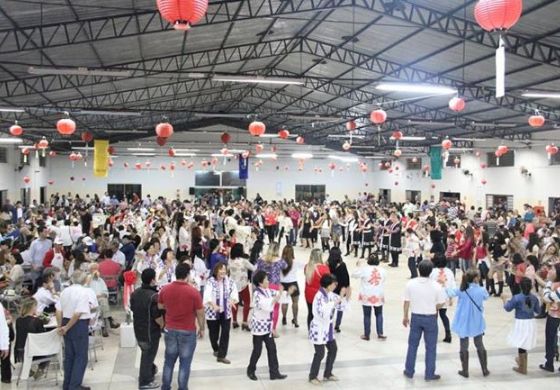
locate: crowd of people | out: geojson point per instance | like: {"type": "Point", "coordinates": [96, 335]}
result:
{"type": "Point", "coordinates": [197, 267]}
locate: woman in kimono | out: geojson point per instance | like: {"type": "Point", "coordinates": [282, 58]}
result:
{"type": "Point", "coordinates": [321, 330]}
{"type": "Point", "coordinates": [367, 235]}
{"type": "Point", "coordinates": [220, 295]}
{"type": "Point", "coordinates": [395, 238]}
{"type": "Point", "coordinates": [264, 300]}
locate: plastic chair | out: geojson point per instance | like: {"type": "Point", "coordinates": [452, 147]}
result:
{"type": "Point", "coordinates": [113, 291]}
{"type": "Point", "coordinates": [95, 341]}
{"type": "Point", "coordinates": [48, 345]}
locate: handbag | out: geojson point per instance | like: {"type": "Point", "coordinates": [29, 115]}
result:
{"type": "Point", "coordinates": [472, 300]}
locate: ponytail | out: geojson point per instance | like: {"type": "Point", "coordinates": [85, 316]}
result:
{"type": "Point", "coordinates": [526, 286]}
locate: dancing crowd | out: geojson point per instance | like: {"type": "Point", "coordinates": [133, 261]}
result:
{"type": "Point", "coordinates": [197, 267]}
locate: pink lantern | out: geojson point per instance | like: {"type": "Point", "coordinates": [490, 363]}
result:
{"type": "Point", "coordinates": [225, 138]}
{"type": "Point", "coordinates": [138, 166]}
{"type": "Point", "coordinates": [397, 153]}
{"type": "Point", "coordinates": [484, 181]}
{"type": "Point", "coordinates": [283, 134]}
{"type": "Point", "coordinates": [182, 14]}
{"type": "Point", "coordinates": [87, 136]}
{"type": "Point", "coordinates": [346, 146]}
{"type": "Point", "coordinates": [332, 166]}
{"type": "Point", "coordinates": [51, 182]}
{"type": "Point", "coordinates": [446, 144]}
{"type": "Point", "coordinates": [457, 161]}
{"type": "Point", "coordinates": [300, 140]}
{"type": "Point", "coordinates": [164, 130]}
{"type": "Point", "coordinates": [52, 153]}
{"type": "Point", "coordinates": [16, 130]}
{"type": "Point", "coordinates": [483, 165]}
{"type": "Point", "coordinates": [183, 163]}
{"type": "Point", "coordinates": [457, 104]}
{"type": "Point", "coordinates": [66, 126]}
{"type": "Point", "coordinates": [26, 179]}
{"type": "Point", "coordinates": [498, 14]}
{"type": "Point", "coordinates": [503, 149]}
{"type": "Point", "coordinates": [378, 117]}
{"type": "Point", "coordinates": [536, 120]}
{"type": "Point", "coordinates": [397, 135]}
{"type": "Point", "coordinates": [256, 128]}
{"type": "Point", "coordinates": [551, 150]}
{"type": "Point", "coordinates": [351, 125]}
{"type": "Point", "coordinates": [171, 152]}
{"type": "Point", "coordinates": [224, 151]}
{"type": "Point", "coordinates": [387, 164]}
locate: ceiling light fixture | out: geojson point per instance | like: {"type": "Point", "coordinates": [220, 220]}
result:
{"type": "Point", "coordinates": [343, 159]}
{"type": "Point", "coordinates": [411, 138]}
{"type": "Point", "coordinates": [267, 155]}
{"type": "Point", "coordinates": [144, 154]}
{"type": "Point", "coordinates": [185, 154]}
{"type": "Point", "coordinates": [218, 115]}
{"type": "Point", "coordinates": [11, 109]}
{"type": "Point", "coordinates": [80, 71]}
{"type": "Point", "coordinates": [483, 124]}
{"type": "Point", "coordinates": [416, 88]}
{"type": "Point", "coordinates": [317, 118]}
{"type": "Point", "coordinates": [10, 141]}
{"type": "Point", "coordinates": [302, 156]}
{"type": "Point", "coordinates": [258, 80]}
{"type": "Point", "coordinates": [141, 149]}
{"type": "Point", "coordinates": [105, 113]}
{"type": "Point", "coordinates": [221, 155]}
{"type": "Point", "coordinates": [542, 95]}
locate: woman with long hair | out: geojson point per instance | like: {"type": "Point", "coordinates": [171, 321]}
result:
{"type": "Point", "coordinates": [465, 250]}
{"type": "Point", "coordinates": [469, 319]}
{"type": "Point", "coordinates": [239, 268]}
{"type": "Point", "coordinates": [289, 283]}
{"type": "Point", "coordinates": [338, 268]}
{"type": "Point", "coordinates": [314, 270]}
{"type": "Point", "coordinates": [306, 225]}
{"type": "Point", "coordinates": [214, 254]}
{"type": "Point", "coordinates": [273, 265]}
{"type": "Point", "coordinates": [220, 295]}
{"type": "Point", "coordinates": [28, 322]}
{"type": "Point", "coordinates": [523, 335]}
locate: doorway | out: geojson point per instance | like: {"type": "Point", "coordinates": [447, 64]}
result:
{"type": "Point", "coordinates": [3, 197]}
{"type": "Point", "coordinates": [413, 196]}
{"type": "Point", "coordinates": [499, 202]}
{"type": "Point", "coordinates": [25, 196]}
{"type": "Point", "coordinates": [42, 195]}
{"type": "Point", "coordinates": [217, 196]}
{"type": "Point", "coordinates": [124, 191]}
{"type": "Point", "coordinates": [450, 196]}
{"type": "Point", "coordinates": [384, 195]}
{"type": "Point", "coordinates": [553, 206]}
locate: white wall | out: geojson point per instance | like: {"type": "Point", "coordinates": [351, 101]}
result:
{"type": "Point", "coordinates": [278, 184]}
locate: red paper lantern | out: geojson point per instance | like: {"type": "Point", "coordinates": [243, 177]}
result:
{"type": "Point", "coordinates": [378, 117]}
{"type": "Point", "coordinates": [190, 165]}
{"type": "Point", "coordinates": [51, 182]}
{"type": "Point", "coordinates": [66, 126]}
{"type": "Point", "coordinates": [26, 179]}
{"type": "Point", "coordinates": [397, 153]}
{"type": "Point", "coordinates": [16, 130]}
{"type": "Point", "coordinates": [204, 163]}
{"type": "Point", "coordinates": [172, 166]}
{"type": "Point", "coordinates": [477, 153]}
{"type": "Point", "coordinates": [52, 153]}
{"type": "Point", "coordinates": [225, 137]}
{"type": "Point", "coordinates": [43, 143]}
{"type": "Point", "coordinates": [551, 150]}
{"type": "Point", "coordinates": [171, 152]}
{"type": "Point", "coordinates": [259, 148]}
{"type": "Point", "coordinates": [87, 136]}
{"type": "Point", "coordinates": [148, 164]}
{"type": "Point", "coordinates": [332, 166]}
{"type": "Point", "coordinates": [300, 140]}
{"type": "Point", "coordinates": [426, 168]}
{"type": "Point", "coordinates": [79, 156]}
{"type": "Point", "coordinates": [536, 120]}
{"type": "Point", "coordinates": [214, 161]}
{"type": "Point", "coordinates": [161, 141]}
{"type": "Point", "coordinates": [72, 156]}
{"type": "Point", "coordinates": [390, 170]}
{"type": "Point", "coordinates": [182, 14]}
{"type": "Point", "coordinates": [283, 134]}
{"type": "Point", "coordinates": [503, 149]}
{"type": "Point", "coordinates": [498, 14]}
{"type": "Point", "coordinates": [457, 104]}
{"type": "Point", "coordinates": [164, 130]}
{"type": "Point", "coordinates": [351, 125]}
{"type": "Point", "coordinates": [138, 166]}
{"type": "Point", "coordinates": [483, 165]}
{"type": "Point", "coordinates": [111, 150]}
{"type": "Point", "coordinates": [256, 129]}
{"type": "Point", "coordinates": [446, 144]}
{"type": "Point", "coordinates": [111, 163]}
{"type": "Point", "coordinates": [346, 145]}
{"type": "Point", "coordinates": [397, 135]}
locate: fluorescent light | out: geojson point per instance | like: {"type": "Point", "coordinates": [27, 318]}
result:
{"type": "Point", "coordinates": [269, 135]}
{"type": "Point", "coordinates": [221, 155]}
{"type": "Point", "coordinates": [144, 154]}
{"type": "Point", "coordinates": [416, 88]}
{"type": "Point", "coordinates": [185, 154]}
{"type": "Point", "coordinates": [258, 80]}
{"type": "Point", "coordinates": [302, 156]}
{"type": "Point", "coordinates": [187, 150]}
{"type": "Point", "coordinates": [106, 113]}
{"type": "Point", "coordinates": [316, 118]}
{"type": "Point", "coordinates": [212, 115]}
{"type": "Point", "coordinates": [11, 109]}
{"type": "Point", "coordinates": [343, 159]}
{"type": "Point", "coordinates": [346, 136]}
{"type": "Point", "coordinates": [82, 148]}
{"type": "Point", "coordinates": [10, 141]}
{"type": "Point", "coordinates": [411, 138]}
{"type": "Point", "coordinates": [430, 123]}
{"type": "Point", "coordinates": [123, 131]}
{"type": "Point", "coordinates": [461, 149]}
{"type": "Point", "coordinates": [81, 71]}
{"type": "Point", "coordinates": [141, 149]}
{"type": "Point", "coordinates": [483, 124]}
{"type": "Point", "coordinates": [267, 155]}
{"type": "Point", "coordinates": [542, 95]}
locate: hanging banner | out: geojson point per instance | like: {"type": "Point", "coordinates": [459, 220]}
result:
{"type": "Point", "coordinates": [243, 168]}
{"type": "Point", "coordinates": [435, 162]}
{"type": "Point", "coordinates": [501, 70]}
{"type": "Point", "coordinates": [100, 158]}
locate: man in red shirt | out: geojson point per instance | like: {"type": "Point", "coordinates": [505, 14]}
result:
{"type": "Point", "coordinates": [109, 270]}
{"type": "Point", "coordinates": [183, 305]}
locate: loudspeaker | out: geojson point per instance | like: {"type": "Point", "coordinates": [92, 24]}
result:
{"type": "Point", "coordinates": [191, 190]}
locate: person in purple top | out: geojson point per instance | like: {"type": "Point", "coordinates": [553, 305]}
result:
{"type": "Point", "coordinates": [273, 265]}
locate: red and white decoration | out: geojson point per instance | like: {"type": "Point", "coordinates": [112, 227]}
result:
{"type": "Point", "coordinates": [256, 128]}
{"type": "Point", "coordinates": [66, 126]}
{"type": "Point", "coordinates": [457, 104]}
{"type": "Point", "coordinates": [182, 14]}
{"type": "Point", "coordinates": [164, 130]}
{"type": "Point", "coordinates": [284, 134]}
{"type": "Point", "coordinates": [551, 150]}
{"type": "Point", "coordinates": [16, 130]}
{"type": "Point", "coordinates": [536, 120]}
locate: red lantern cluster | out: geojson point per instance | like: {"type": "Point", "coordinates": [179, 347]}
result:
{"type": "Point", "coordinates": [378, 117]}
{"type": "Point", "coordinates": [284, 134]}
{"type": "Point", "coordinates": [457, 104]}
{"type": "Point", "coordinates": [397, 135]}
{"type": "Point", "coordinates": [498, 14]}
{"type": "Point", "coordinates": [182, 14]}
{"type": "Point", "coordinates": [164, 130]}
{"type": "Point", "coordinates": [256, 128]}
{"type": "Point", "coordinates": [66, 126]}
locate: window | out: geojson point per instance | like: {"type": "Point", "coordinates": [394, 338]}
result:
{"type": "Point", "coordinates": [231, 179]}
{"type": "Point", "coordinates": [450, 196]}
{"type": "Point", "coordinates": [124, 191]}
{"type": "Point", "coordinates": [507, 160]}
{"type": "Point", "coordinates": [499, 202]}
{"type": "Point", "coordinates": [451, 161]}
{"type": "Point", "coordinates": [3, 156]}
{"type": "Point", "coordinates": [310, 193]}
{"type": "Point", "coordinates": [384, 195]}
{"type": "Point", "coordinates": [413, 196]}
{"type": "Point", "coordinates": [413, 163]}
{"type": "Point", "coordinates": [206, 179]}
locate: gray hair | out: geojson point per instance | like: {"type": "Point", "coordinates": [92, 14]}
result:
{"type": "Point", "coordinates": [79, 277]}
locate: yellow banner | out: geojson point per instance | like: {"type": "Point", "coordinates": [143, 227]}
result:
{"type": "Point", "coordinates": [100, 158]}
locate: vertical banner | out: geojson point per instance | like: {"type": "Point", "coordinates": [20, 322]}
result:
{"type": "Point", "coordinates": [100, 158]}
{"type": "Point", "coordinates": [243, 168]}
{"type": "Point", "coordinates": [435, 162]}
{"type": "Point", "coordinates": [501, 69]}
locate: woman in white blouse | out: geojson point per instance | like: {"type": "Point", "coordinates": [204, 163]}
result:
{"type": "Point", "coordinates": [45, 296]}
{"type": "Point", "coordinates": [239, 266]}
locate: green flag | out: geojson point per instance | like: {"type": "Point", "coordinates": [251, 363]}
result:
{"type": "Point", "coordinates": [435, 162]}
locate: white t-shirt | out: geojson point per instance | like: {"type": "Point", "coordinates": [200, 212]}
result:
{"type": "Point", "coordinates": [119, 258]}
{"type": "Point", "coordinates": [44, 299]}
{"type": "Point", "coordinates": [75, 299]}
{"type": "Point", "coordinates": [424, 294]}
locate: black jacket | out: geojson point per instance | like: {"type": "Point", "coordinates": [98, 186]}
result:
{"type": "Point", "coordinates": [143, 304]}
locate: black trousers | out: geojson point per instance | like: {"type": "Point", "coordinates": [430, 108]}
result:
{"type": "Point", "coordinates": [413, 267]}
{"type": "Point", "coordinates": [218, 332]}
{"type": "Point", "coordinates": [318, 357]}
{"type": "Point", "coordinates": [551, 330]}
{"type": "Point", "coordinates": [268, 341]}
{"type": "Point", "coordinates": [6, 365]}
{"type": "Point", "coordinates": [309, 314]}
{"type": "Point", "coordinates": [395, 258]}
{"type": "Point", "coordinates": [149, 353]}
{"type": "Point", "coordinates": [444, 320]}
{"type": "Point", "coordinates": [270, 232]}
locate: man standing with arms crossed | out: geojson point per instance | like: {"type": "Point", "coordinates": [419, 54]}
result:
{"type": "Point", "coordinates": [182, 304]}
{"type": "Point", "coordinates": [423, 297]}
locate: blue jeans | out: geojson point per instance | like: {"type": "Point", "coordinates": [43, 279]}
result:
{"type": "Point", "coordinates": [76, 343]}
{"type": "Point", "coordinates": [178, 344]}
{"type": "Point", "coordinates": [378, 320]}
{"type": "Point", "coordinates": [427, 325]}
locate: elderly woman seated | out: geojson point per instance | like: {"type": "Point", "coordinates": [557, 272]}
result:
{"type": "Point", "coordinates": [46, 295]}
{"type": "Point", "coordinates": [97, 284]}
